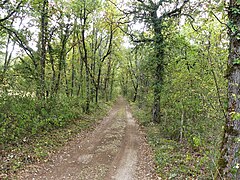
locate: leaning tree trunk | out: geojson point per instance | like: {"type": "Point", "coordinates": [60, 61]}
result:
{"type": "Point", "coordinates": [229, 162]}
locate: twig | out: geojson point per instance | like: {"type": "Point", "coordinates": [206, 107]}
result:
{"type": "Point", "coordinates": [219, 19]}
{"type": "Point", "coordinates": [191, 21]}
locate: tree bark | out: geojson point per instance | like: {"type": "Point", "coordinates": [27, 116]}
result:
{"type": "Point", "coordinates": [80, 74]}
{"type": "Point", "coordinates": [229, 161]}
{"type": "Point", "coordinates": [158, 60]}
{"type": "Point", "coordinates": [85, 59]}
{"type": "Point", "coordinates": [50, 49]}
{"type": "Point", "coordinates": [73, 69]}
{"type": "Point", "coordinates": [7, 58]}
{"type": "Point", "coordinates": [43, 51]}
{"type": "Point", "coordinates": [62, 60]}
{"type": "Point", "coordinates": [112, 84]}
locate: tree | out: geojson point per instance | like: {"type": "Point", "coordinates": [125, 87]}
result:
{"type": "Point", "coordinates": [155, 14]}
{"type": "Point", "coordinates": [229, 161]}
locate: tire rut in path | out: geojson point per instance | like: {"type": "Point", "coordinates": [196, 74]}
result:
{"type": "Point", "coordinates": [128, 157]}
{"type": "Point", "coordinates": [114, 150]}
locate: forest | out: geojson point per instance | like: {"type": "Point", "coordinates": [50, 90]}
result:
{"type": "Point", "coordinates": [63, 63]}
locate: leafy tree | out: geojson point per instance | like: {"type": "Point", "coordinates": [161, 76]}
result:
{"type": "Point", "coordinates": [155, 14]}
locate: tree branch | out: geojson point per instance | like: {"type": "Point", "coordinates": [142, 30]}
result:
{"type": "Point", "coordinates": [11, 13]}
{"type": "Point", "coordinates": [219, 19]}
{"type": "Point", "coordinates": [21, 43]}
{"type": "Point", "coordinates": [176, 11]}
{"type": "Point", "coordinates": [134, 38]}
{"type": "Point", "coordinates": [191, 21]}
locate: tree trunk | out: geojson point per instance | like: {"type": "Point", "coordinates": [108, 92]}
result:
{"type": "Point", "coordinates": [134, 76]}
{"type": "Point", "coordinates": [87, 105]}
{"type": "Point", "coordinates": [112, 84]}
{"type": "Point", "coordinates": [182, 126]}
{"type": "Point", "coordinates": [7, 58]}
{"type": "Point", "coordinates": [98, 82]}
{"type": "Point", "coordinates": [158, 83]}
{"type": "Point", "coordinates": [85, 59]}
{"type": "Point", "coordinates": [229, 161]}
{"type": "Point", "coordinates": [62, 61]}
{"type": "Point", "coordinates": [158, 60]}
{"type": "Point", "coordinates": [73, 69]}
{"type": "Point", "coordinates": [66, 78]}
{"type": "Point", "coordinates": [106, 80]}
{"type": "Point", "coordinates": [50, 49]}
{"type": "Point", "coordinates": [80, 77]}
{"type": "Point", "coordinates": [94, 47]}
{"type": "Point", "coordinates": [152, 13]}
{"type": "Point", "coordinates": [43, 52]}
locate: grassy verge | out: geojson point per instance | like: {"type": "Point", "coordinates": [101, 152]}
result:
{"type": "Point", "coordinates": [39, 147]}
{"type": "Point", "coordinates": [175, 160]}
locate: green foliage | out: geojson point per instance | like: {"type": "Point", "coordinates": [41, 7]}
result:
{"type": "Point", "coordinates": [84, 55]}
{"type": "Point", "coordinates": [193, 101]}
{"type": "Point", "coordinates": [46, 86]}
{"type": "Point", "coordinates": [236, 62]}
{"type": "Point", "coordinates": [235, 10]}
{"type": "Point", "coordinates": [233, 27]}
{"type": "Point", "coordinates": [49, 132]}
{"type": "Point", "coordinates": [176, 160]}
{"type": "Point", "coordinates": [24, 116]}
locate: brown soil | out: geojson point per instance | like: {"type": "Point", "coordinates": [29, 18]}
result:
{"type": "Point", "coordinates": [116, 149]}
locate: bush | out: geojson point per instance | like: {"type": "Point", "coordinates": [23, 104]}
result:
{"type": "Point", "coordinates": [26, 116]}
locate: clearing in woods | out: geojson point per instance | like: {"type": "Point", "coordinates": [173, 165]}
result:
{"type": "Point", "coordinates": [116, 149]}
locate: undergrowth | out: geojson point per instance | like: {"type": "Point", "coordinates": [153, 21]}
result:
{"type": "Point", "coordinates": [30, 132]}
{"type": "Point", "coordinates": [175, 160]}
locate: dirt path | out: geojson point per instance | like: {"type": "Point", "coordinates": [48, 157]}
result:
{"type": "Point", "coordinates": [116, 149]}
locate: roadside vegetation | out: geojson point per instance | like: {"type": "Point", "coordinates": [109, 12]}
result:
{"type": "Point", "coordinates": [58, 62]}
{"type": "Point", "coordinates": [34, 137]}
{"type": "Point", "coordinates": [190, 159]}
{"type": "Point", "coordinates": [192, 100]}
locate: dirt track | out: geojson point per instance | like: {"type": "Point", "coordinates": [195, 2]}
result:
{"type": "Point", "coordinates": [116, 149]}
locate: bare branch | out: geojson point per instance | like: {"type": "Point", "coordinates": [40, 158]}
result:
{"type": "Point", "coordinates": [191, 21]}
{"type": "Point", "coordinates": [176, 11]}
{"type": "Point", "coordinates": [124, 12]}
{"type": "Point", "coordinates": [219, 19]}
{"type": "Point", "coordinates": [21, 43]}
{"type": "Point", "coordinates": [135, 38]}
